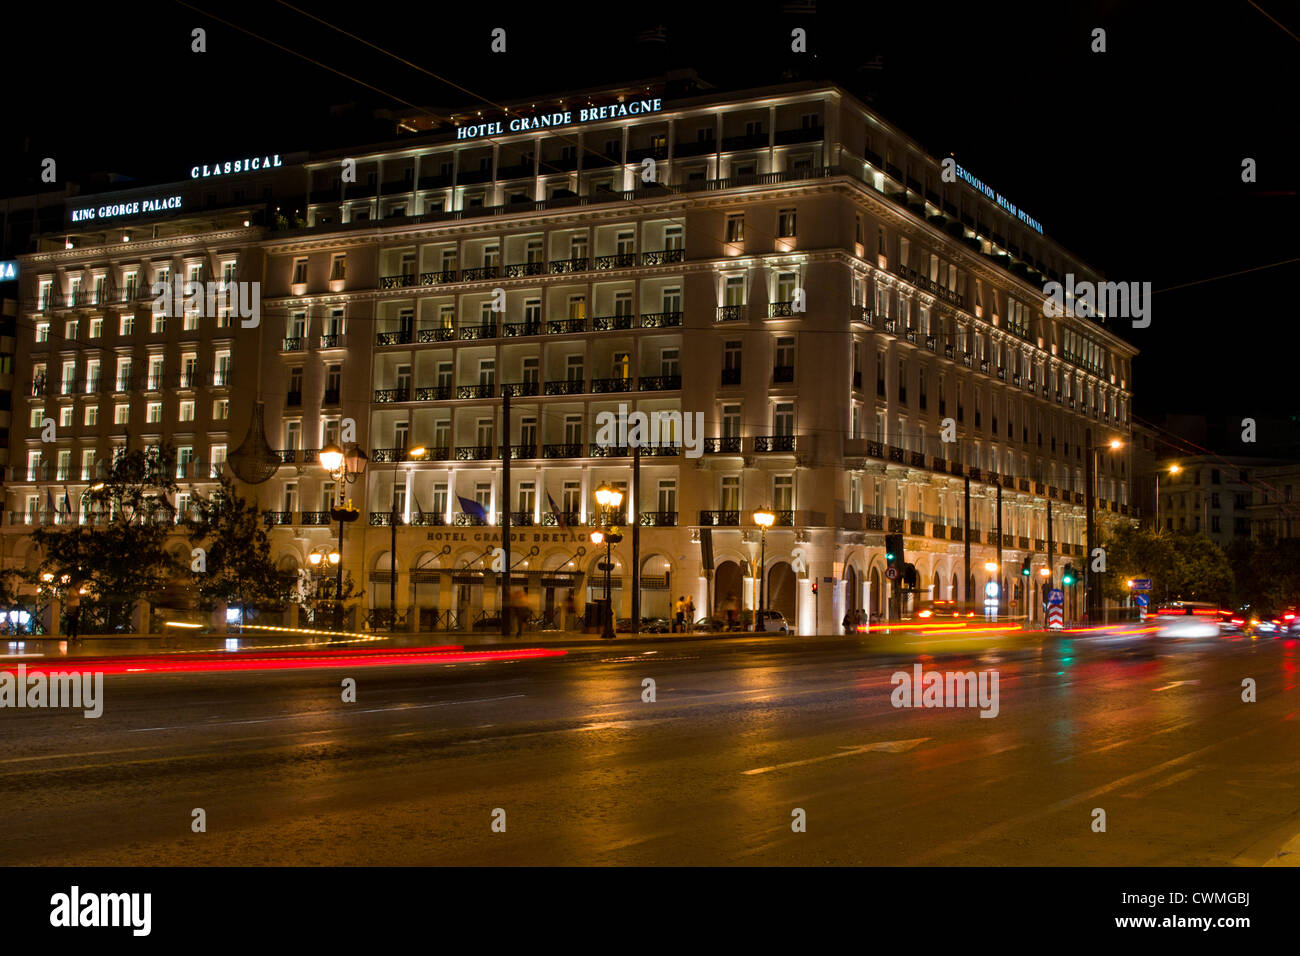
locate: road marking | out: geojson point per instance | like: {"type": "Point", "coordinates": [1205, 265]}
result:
{"type": "Point", "coordinates": [1160, 785]}
{"type": "Point", "coordinates": [1177, 683]}
{"type": "Point", "coordinates": [326, 713]}
{"type": "Point", "coordinates": [886, 746]}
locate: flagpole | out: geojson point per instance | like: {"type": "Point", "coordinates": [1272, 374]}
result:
{"type": "Point", "coordinates": [505, 512]}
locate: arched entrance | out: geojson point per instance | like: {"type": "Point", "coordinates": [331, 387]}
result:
{"type": "Point", "coordinates": [781, 590]}
{"type": "Point", "coordinates": [876, 596]}
{"type": "Point", "coordinates": [728, 590]}
{"type": "Point", "coordinates": [656, 587]}
{"type": "Point", "coordinates": [954, 594]}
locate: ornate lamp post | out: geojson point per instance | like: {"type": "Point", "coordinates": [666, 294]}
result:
{"type": "Point", "coordinates": [764, 518]}
{"type": "Point", "coordinates": [609, 499]}
{"type": "Point", "coordinates": [344, 468]}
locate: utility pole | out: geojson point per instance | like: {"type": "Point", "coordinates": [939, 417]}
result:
{"type": "Point", "coordinates": [998, 560]}
{"type": "Point", "coordinates": [636, 540]}
{"type": "Point", "coordinates": [1090, 578]}
{"type": "Point", "coordinates": [506, 609]}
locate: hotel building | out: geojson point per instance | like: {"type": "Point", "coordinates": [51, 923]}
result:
{"type": "Point", "coordinates": [782, 261]}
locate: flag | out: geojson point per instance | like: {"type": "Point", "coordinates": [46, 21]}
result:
{"type": "Point", "coordinates": [559, 515]}
{"type": "Point", "coordinates": [67, 502]}
{"type": "Point", "coordinates": [471, 507]}
{"type": "Point", "coordinates": [49, 501]}
{"type": "Point", "coordinates": [419, 512]}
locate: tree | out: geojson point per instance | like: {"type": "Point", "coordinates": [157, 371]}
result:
{"type": "Point", "coordinates": [120, 557]}
{"type": "Point", "coordinates": [1182, 565]}
{"type": "Point", "coordinates": [235, 567]}
{"type": "Point", "coordinates": [1267, 572]}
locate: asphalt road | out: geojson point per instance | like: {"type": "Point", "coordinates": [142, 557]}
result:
{"type": "Point", "coordinates": [742, 732]}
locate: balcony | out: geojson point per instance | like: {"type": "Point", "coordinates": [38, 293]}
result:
{"type": "Point", "coordinates": [916, 459]}
{"type": "Point", "coordinates": [521, 269]}
{"type": "Point", "coordinates": [439, 277]}
{"type": "Point", "coordinates": [897, 454]}
{"type": "Point", "coordinates": [782, 374]}
{"type": "Point", "coordinates": [601, 386]}
{"type": "Point", "coordinates": [315, 518]}
{"type": "Point", "coordinates": [518, 519]}
{"type": "Point", "coordinates": [476, 391]}
{"type": "Point", "coordinates": [441, 334]}
{"type": "Point", "coordinates": [433, 393]}
{"type": "Point", "coordinates": [526, 451]}
{"type": "Point", "coordinates": [611, 323]}
{"type": "Point", "coordinates": [767, 443]}
{"type": "Point", "coordinates": [574, 386]}
{"type": "Point", "coordinates": [389, 454]}
{"type": "Point", "coordinates": [331, 341]}
{"type": "Point", "coordinates": [272, 518]}
{"type": "Point", "coordinates": [331, 397]}
{"type": "Point", "coordinates": [428, 519]}
{"type": "Point", "coordinates": [480, 274]}
{"type": "Point", "coordinates": [916, 527]}
{"type": "Point", "coordinates": [805, 134]}
{"type": "Point", "coordinates": [1022, 542]}
{"type": "Point", "coordinates": [875, 522]}
{"type": "Point", "coordinates": [405, 280]}
{"type": "Point", "coordinates": [400, 337]}
{"type": "Point", "coordinates": [464, 519]}
{"type": "Point", "coordinates": [663, 257]}
{"type": "Point", "coordinates": [293, 344]}
{"type": "Point", "coordinates": [939, 531]}
{"type": "Point", "coordinates": [475, 453]}
{"type": "Point", "coordinates": [895, 525]}
{"type": "Point", "coordinates": [860, 314]}
{"type": "Point", "coordinates": [748, 141]}
{"type": "Point", "coordinates": [781, 310]}
{"type": "Point", "coordinates": [571, 450]}
{"type": "Point", "coordinates": [731, 376]}
{"type": "Point", "coordinates": [609, 451]}
{"type": "Point", "coordinates": [565, 326]}
{"type": "Point", "coordinates": [661, 320]}
{"type": "Point", "coordinates": [514, 330]}
{"type": "Point", "coordinates": [723, 446]}
{"type": "Point", "coordinates": [731, 313]}
{"type": "Point", "coordinates": [386, 396]}
{"type": "Point", "coordinates": [620, 260]}
{"type": "Point", "coordinates": [287, 455]}
{"type": "Point", "coordinates": [659, 519]}
{"type": "Point", "coordinates": [720, 518]}
{"type": "Point", "coordinates": [659, 383]}
{"type": "Point", "coordinates": [518, 389]}
{"type": "Point", "coordinates": [569, 519]}
{"type": "Point", "coordinates": [785, 518]}
{"type": "Point", "coordinates": [563, 266]}
{"type": "Point", "coordinates": [484, 330]}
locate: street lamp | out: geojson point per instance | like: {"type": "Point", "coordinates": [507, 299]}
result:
{"type": "Point", "coordinates": [345, 468]}
{"type": "Point", "coordinates": [609, 499]}
{"type": "Point", "coordinates": [1091, 592]}
{"type": "Point", "coordinates": [416, 452]}
{"type": "Point", "coordinates": [1174, 469]}
{"type": "Point", "coordinates": [764, 518]}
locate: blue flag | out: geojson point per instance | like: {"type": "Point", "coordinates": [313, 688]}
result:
{"type": "Point", "coordinates": [472, 507]}
{"type": "Point", "coordinates": [559, 515]}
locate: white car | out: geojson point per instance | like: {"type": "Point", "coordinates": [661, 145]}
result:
{"type": "Point", "coordinates": [1186, 619]}
{"type": "Point", "coordinates": [771, 621]}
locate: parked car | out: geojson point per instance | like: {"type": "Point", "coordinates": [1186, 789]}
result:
{"type": "Point", "coordinates": [771, 621]}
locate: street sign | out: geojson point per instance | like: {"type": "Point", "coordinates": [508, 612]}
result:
{"type": "Point", "coordinates": [1141, 601]}
{"type": "Point", "coordinates": [1056, 596]}
{"type": "Point", "coordinates": [1141, 584]}
{"type": "Point", "coordinates": [891, 573]}
{"type": "Point", "coordinates": [1055, 617]}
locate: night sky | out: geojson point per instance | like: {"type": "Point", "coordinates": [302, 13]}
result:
{"type": "Point", "coordinates": [1130, 158]}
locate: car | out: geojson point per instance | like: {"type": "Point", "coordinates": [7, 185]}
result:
{"type": "Point", "coordinates": [771, 621]}
{"type": "Point", "coordinates": [1187, 619]}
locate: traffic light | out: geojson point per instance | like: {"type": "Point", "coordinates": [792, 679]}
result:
{"type": "Point", "coordinates": [1024, 568]}
{"type": "Point", "coordinates": [910, 577]}
{"type": "Point", "coordinates": [1067, 576]}
{"type": "Point", "coordinates": [894, 552]}
{"type": "Point", "coordinates": [814, 587]}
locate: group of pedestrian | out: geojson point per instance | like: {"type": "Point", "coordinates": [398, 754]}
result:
{"type": "Point", "coordinates": [683, 614]}
{"type": "Point", "coordinates": [855, 620]}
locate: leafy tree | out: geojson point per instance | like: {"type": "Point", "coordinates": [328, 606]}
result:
{"type": "Point", "coordinates": [122, 555]}
{"type": "Point", "coordinates": [236, 566]}
{"type": "Point", "coordinates": [1267, 572]}
{"type": "Point", "coordinates": [1182, 565]}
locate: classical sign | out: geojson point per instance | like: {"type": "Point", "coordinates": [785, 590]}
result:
{"type": "Point", "coordinates": [591, 114]}
{"type": "Point", "coordinates": [137, 207]}
{"type": "Point", "coordinates": [249, 164]}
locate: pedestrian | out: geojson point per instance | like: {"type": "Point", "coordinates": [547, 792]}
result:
{"type": "Point", "coordinates": [689, 612]}
{"type": "Point", "coordinates": [731, 611]}
{"type": "Point", "coordinates": [848, 622]}
{"type": "Point", "coordinates": [679, 611]}
{"type": "Point", "coordinates": [74, 611]}
{"type": "Point", "coordinates": [570, 609]}
{"type": "Point", "coordinates": [519, 607]}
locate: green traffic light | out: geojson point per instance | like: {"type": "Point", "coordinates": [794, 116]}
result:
{"type": "Point", "coordinates": [889, 556]}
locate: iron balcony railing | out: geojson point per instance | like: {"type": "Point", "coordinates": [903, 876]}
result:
{"type": "Point", "coordinates": [606, 385]}
{"type": "Point", "coordinates": [517, 389]}
{"type": "Point", "coordinates": [577, 264]}
{"type": "Point", "coordinates": [475, 391]}
{"type": "Point", "coordinates": [659, 519]}
{"type": "Point", "coordinates": [574, 386]}
{"type": "Point", "coordinates": [661, 320]}
{"type": "Point", "coordinates": [562, 450]}
{"type": "Point", "coordinates": [399, 337]}
{"type": "Point", "coordinates": [475, 453]}
{"type": "Point", "coordinates": [443, 333]}
{"type": "Point", "coordinates": [720, 446]}
{"type": "Point", "coordinates": [619, 260]}
{"type": "Point", "coordinates": [612, 323]}
{"type": "Point", "coordinates": [484, 330]}
{"type": "Point", "coordinates": [384, 396]}
{"type": "Point", "coordinates": [565, 326]}
{"type": "Point", "coordinates": [597, 450]}
{"type": "Point", "coordinates": [433, 393]}
{"type": "Point", "coordinates": [731, 313]}
{"type": "Point", "coordinates": [780, 310]}
{"type": "Point", "coordinates": [764, 443]}
{"type": "Point", "coordinates": [724, 518]}
{"type": "Point", "coordinates": [519, 329]}
{"type": "Point", "coordinates": [661, 257]}
{"type": "Point", "coordinates": [659, 383]}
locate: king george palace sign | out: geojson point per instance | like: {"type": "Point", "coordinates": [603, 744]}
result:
{"type": "Point", "coordinates": [521, 124]}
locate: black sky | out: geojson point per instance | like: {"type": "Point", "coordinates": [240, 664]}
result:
{"type": "Point", "coordinates": [1130, 158]}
